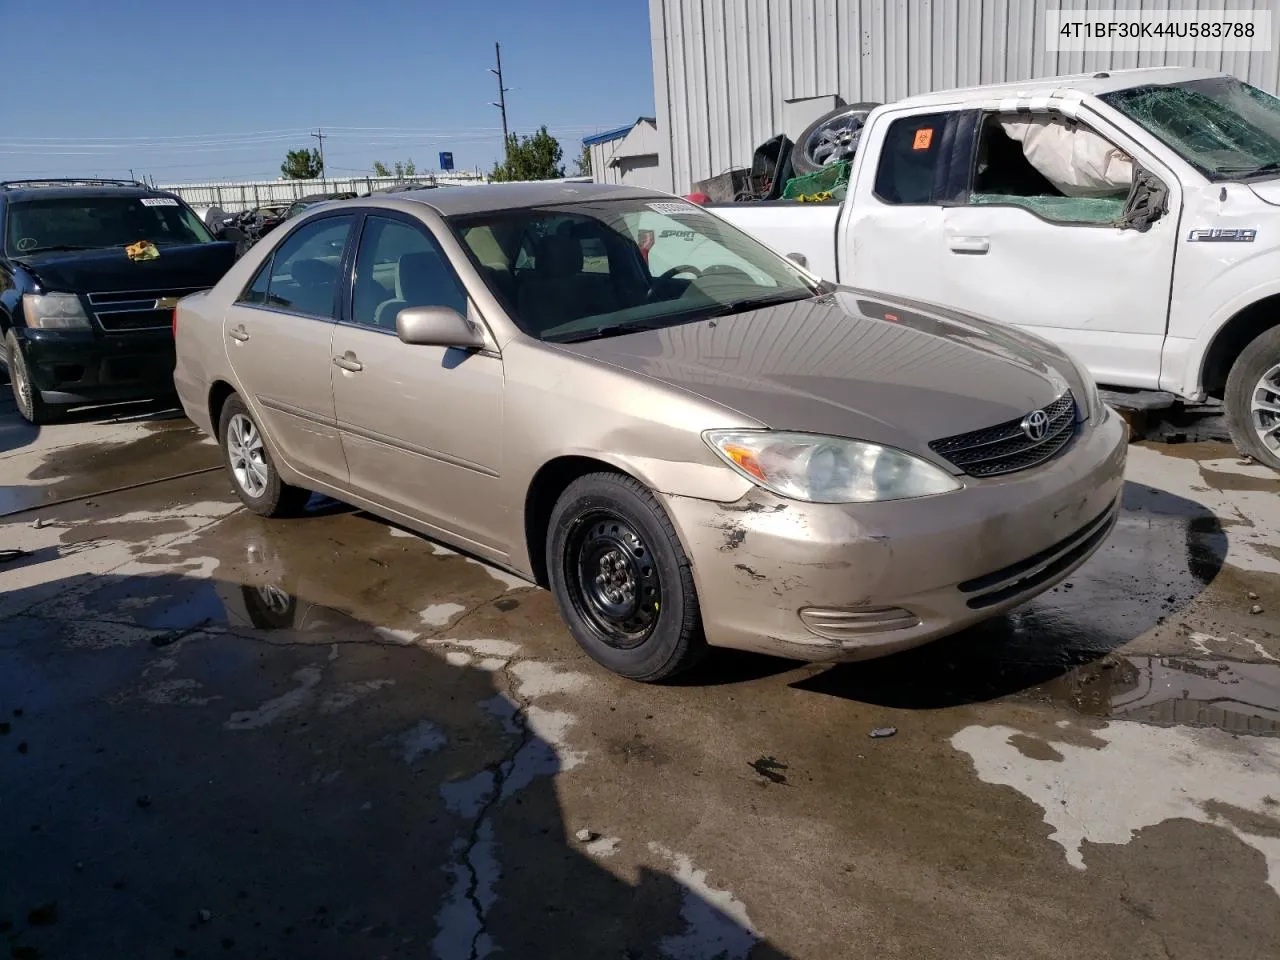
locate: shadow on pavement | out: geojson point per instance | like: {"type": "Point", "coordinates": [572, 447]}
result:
{"type": "Point", "coordinates": [307, 788]}
{"type": "Point", "coordinates": [1164, 551]}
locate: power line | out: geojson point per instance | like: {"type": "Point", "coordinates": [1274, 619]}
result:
{"type": "Point", "coordinates": [319, 135]}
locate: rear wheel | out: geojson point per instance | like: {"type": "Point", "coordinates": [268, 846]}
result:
{"type": "Point", "coordinates": [1253, 399]}
{"type": "Point", "coordinates": [25, 395]}
{"type": "Point", "coordinates": [621, 578]}
{"type": "Point", "coordinates": [256, 481]}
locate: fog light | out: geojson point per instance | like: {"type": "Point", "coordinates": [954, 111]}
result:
{"type": "Point", "coordinates": [843, 624]}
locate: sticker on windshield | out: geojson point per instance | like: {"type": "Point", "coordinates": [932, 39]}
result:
{"type": "Point", "coordinates": [924, 137]}
{"type": "Point", "coordinates": [672, 207]}
{"type": "Point", "coordinates": [159, 202]}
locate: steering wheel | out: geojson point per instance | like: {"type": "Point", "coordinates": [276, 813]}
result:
{"type": "Point", "coordinates": [725, 270]}
{"type": "Point", "coordinates": [683, 268]}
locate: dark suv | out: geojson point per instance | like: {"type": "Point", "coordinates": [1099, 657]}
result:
{"type": "Point", "coordinates": [89, 274]}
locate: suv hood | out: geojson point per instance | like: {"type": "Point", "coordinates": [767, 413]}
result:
{"type": "Point", "coordinates": [851, 365]}
{"type": "Point", "coordinates": [110, 269]}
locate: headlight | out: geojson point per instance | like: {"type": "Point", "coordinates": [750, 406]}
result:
{"type": "Point", "coordinates": [1092, 402]}
{"type": "Point", "coordinates": [818, 469]}
{"type": "Point", "coordinates": [54, 311]}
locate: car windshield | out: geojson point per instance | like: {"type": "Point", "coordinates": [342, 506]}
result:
{"type": "Point", "coordinates": [92, 223]}
{"type": "Point", "coordinates": [586, 270]}
{"type": "Point", "coordinates": [1226, 129]}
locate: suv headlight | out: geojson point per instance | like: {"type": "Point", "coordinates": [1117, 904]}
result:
{"type": "Point", "coordinates": [819, 469]}
{"type": "Point", "coordinates": [54, 311]}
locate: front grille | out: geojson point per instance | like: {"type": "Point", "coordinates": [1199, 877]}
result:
{"type": "Point", "coordinates": [121, 311]}
{"type": "Point", "coordinates": [1005, 448]}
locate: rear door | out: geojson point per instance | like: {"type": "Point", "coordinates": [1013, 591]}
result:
{"type": "Point", "coordinates": [910, 163]}
{"type": "Point", "coordinates": [421, 426]}
{"type": "Point", "coordinates": [278, 337]}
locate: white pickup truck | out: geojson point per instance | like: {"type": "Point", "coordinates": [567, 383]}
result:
{"type": "Point", "coordinates": [1132, 217]}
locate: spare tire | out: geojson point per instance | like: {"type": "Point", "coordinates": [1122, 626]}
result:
{"type": "Point", "coordinates": [831, 138]}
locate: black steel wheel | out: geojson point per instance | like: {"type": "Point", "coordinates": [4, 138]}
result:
{"type": "Point", "coordinates": [613, 582]}
{"type": "Point", "coordinates": [622, 580]}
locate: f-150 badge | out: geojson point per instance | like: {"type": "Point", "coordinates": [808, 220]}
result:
{"type": "Point", "coordinates": [1216, 235]}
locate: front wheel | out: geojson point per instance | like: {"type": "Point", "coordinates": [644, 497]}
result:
{"type": "Point", "coordinates": [25, 393]}
{"type": "Point", "coordinates": [1253, 399]}
{"type": "Point", "coordinates": [621, 578]}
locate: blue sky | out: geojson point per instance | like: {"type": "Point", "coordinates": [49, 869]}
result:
{"type": "Point", "coordinates": [188, 91]}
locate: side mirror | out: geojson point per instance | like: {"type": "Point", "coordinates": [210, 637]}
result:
{"type": "Point", "coordinates": [799, 259]}
{"type": "Point", "coordinates": [437, 327]}
{"type": "Point", "coordinates": [1147, 202]}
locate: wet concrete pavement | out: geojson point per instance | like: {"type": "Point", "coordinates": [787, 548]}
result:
{"type": "Point", "coordinates": [326, 737]}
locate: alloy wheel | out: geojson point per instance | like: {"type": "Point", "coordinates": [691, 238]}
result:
{"type": "Point", "coordinates": [247, 455]}
{"type": "Point", "coordinates": [1265, 409]}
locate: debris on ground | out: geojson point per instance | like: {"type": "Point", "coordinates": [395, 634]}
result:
{"type": "Point", "coordinates": [1252, 595]}
{"type": "Point", "coordinates": [586, 836]}
{"type": "Point", "coordinates": [769, 768]}
{"type": "Point", "coordinates": [880, 733]}
{"type": "Point", "coordinates": [203, 916]}
{"type": "Point", "coordinates": [1256, 609]}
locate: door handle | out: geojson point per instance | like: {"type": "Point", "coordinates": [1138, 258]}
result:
{"type": "Point", "coordinates": [348, 362]}
{"type": "Point", "coordinates": [239, 334]}
{"type": "Point", "coordinates": [969, 244]}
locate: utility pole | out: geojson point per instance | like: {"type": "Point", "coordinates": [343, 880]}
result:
{"type": "Point", "coordinates": [502, 100]}
{"type": "Point", "coordinates": [319, 135]}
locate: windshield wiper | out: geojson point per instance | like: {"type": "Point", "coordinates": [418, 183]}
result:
{"type": "Point", "coordinates": [58, 247]}
{"type": "Point", "coordinates": [609, 330]}
{"type": "Point", "coordinates": [749, 304]}
{"type": "Point", "coordinates": [1272, 166]}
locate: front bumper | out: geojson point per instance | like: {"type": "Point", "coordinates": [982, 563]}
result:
{"type": "Point", "coordinates": [86, 366]}
{"type": "Point", "coordinates": [849, 582]}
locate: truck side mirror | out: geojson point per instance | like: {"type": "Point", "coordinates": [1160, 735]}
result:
{"type": "Point", "coordinates": [799, 259]}
{"type": "Point", "coordinates": [1147, 202]}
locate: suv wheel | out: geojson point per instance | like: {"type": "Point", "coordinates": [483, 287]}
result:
{"type": "Point", "coordinates": [256, 481]}
{"type": "Point", "coordinates": [621, 578]}
{"type": "Point", "coordinates": [1253, 399]}
{"type": "Point", "coordinates": [29, 402]}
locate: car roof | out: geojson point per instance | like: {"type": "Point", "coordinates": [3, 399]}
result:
{"type": "Point", "coordinates": [457, 201]}
{"type": "Point", "coordinates": [1085, 84]}
{"type": "Point", "coordinates": [71, 191]}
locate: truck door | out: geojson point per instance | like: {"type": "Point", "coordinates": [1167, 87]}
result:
{"type": "Point", "coordinates": [909, 164]}
{"type": "Point", "coordinates": [1040, 239]}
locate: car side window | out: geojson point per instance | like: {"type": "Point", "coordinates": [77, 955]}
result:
{"type": "Point", "coordinates": [400, 265]}
{"type": "Point", "coordinates": [910, 158]}
{"type": "Point", "coordinates": [1060, 170]}
{"type": "Point", "coordinates": [302, 275]}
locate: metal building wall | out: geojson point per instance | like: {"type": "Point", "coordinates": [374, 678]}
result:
{"type": "Point", "coordinates": [722, 68]}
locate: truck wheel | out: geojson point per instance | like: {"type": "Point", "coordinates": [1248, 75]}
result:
{"type": "Point", "coordinates": [830, 138]}
{"type": "Point", "coordinates": [1253, 399]}
{"type": "Point", "coordinates": [622, 580]}
{"type": "Point", "coordinates": [25, 394]}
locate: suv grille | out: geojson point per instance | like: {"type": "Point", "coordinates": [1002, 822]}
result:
{"type": "Point", "coordinates": [123, 311]}
{"type": "Point", "coordinates": [1005, 448]}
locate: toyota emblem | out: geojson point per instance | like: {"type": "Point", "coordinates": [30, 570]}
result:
{"type": "Point", "coordinates": [1035, 425]}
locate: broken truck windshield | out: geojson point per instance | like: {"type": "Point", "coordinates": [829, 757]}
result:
{"type": "Point", "coordinates": [1226, 129]}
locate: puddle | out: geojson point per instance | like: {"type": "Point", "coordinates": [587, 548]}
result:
{"type": "Point", "coordinates": [1230, 695]}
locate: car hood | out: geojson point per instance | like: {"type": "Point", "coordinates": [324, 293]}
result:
{"type": "Point", "coordinates": [111, 270]}
{"type": "Point", "coordinates": [1267, 190]}
{"type": "Point", "coordinates": [853, 365]}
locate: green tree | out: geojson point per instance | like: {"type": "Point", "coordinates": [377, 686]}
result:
{"type": "Point", "coordinates": [401, 168]}
{"type": "Point", "coordinates": [301, 165]}
{"type": "Point", "coordinates": [584, 162]}
{"type": "Point", "coordinates": [531, 158]}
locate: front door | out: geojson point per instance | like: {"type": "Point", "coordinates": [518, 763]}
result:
{"type": "Point", "coordinates": [421, 426]}
{"type": "Point", "coordinates": [1040, 242]}
{"type": "Point", "coordinates": [278, 336]}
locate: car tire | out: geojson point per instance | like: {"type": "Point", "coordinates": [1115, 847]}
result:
{"type": "Point", "coordinates": [253, 475]}
{"type": "Point", "coordinates": [1254, 381]}
{"type": "Point", "coordinates": [622, 580]}
{"type": "Point", "coordinates": [25, 395]}
{"type": "Point", "coordinates": [802, 160]}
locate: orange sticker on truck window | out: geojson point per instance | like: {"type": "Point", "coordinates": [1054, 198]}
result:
{"type": "Point", "coordinates": [923, 139]}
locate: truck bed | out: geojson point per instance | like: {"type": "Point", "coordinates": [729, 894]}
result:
{"type": "Point", "coordinates": [788, 227]}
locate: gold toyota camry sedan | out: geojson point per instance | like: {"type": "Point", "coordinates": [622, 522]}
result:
{"type": "Point", "coordinates": [689, 439]}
